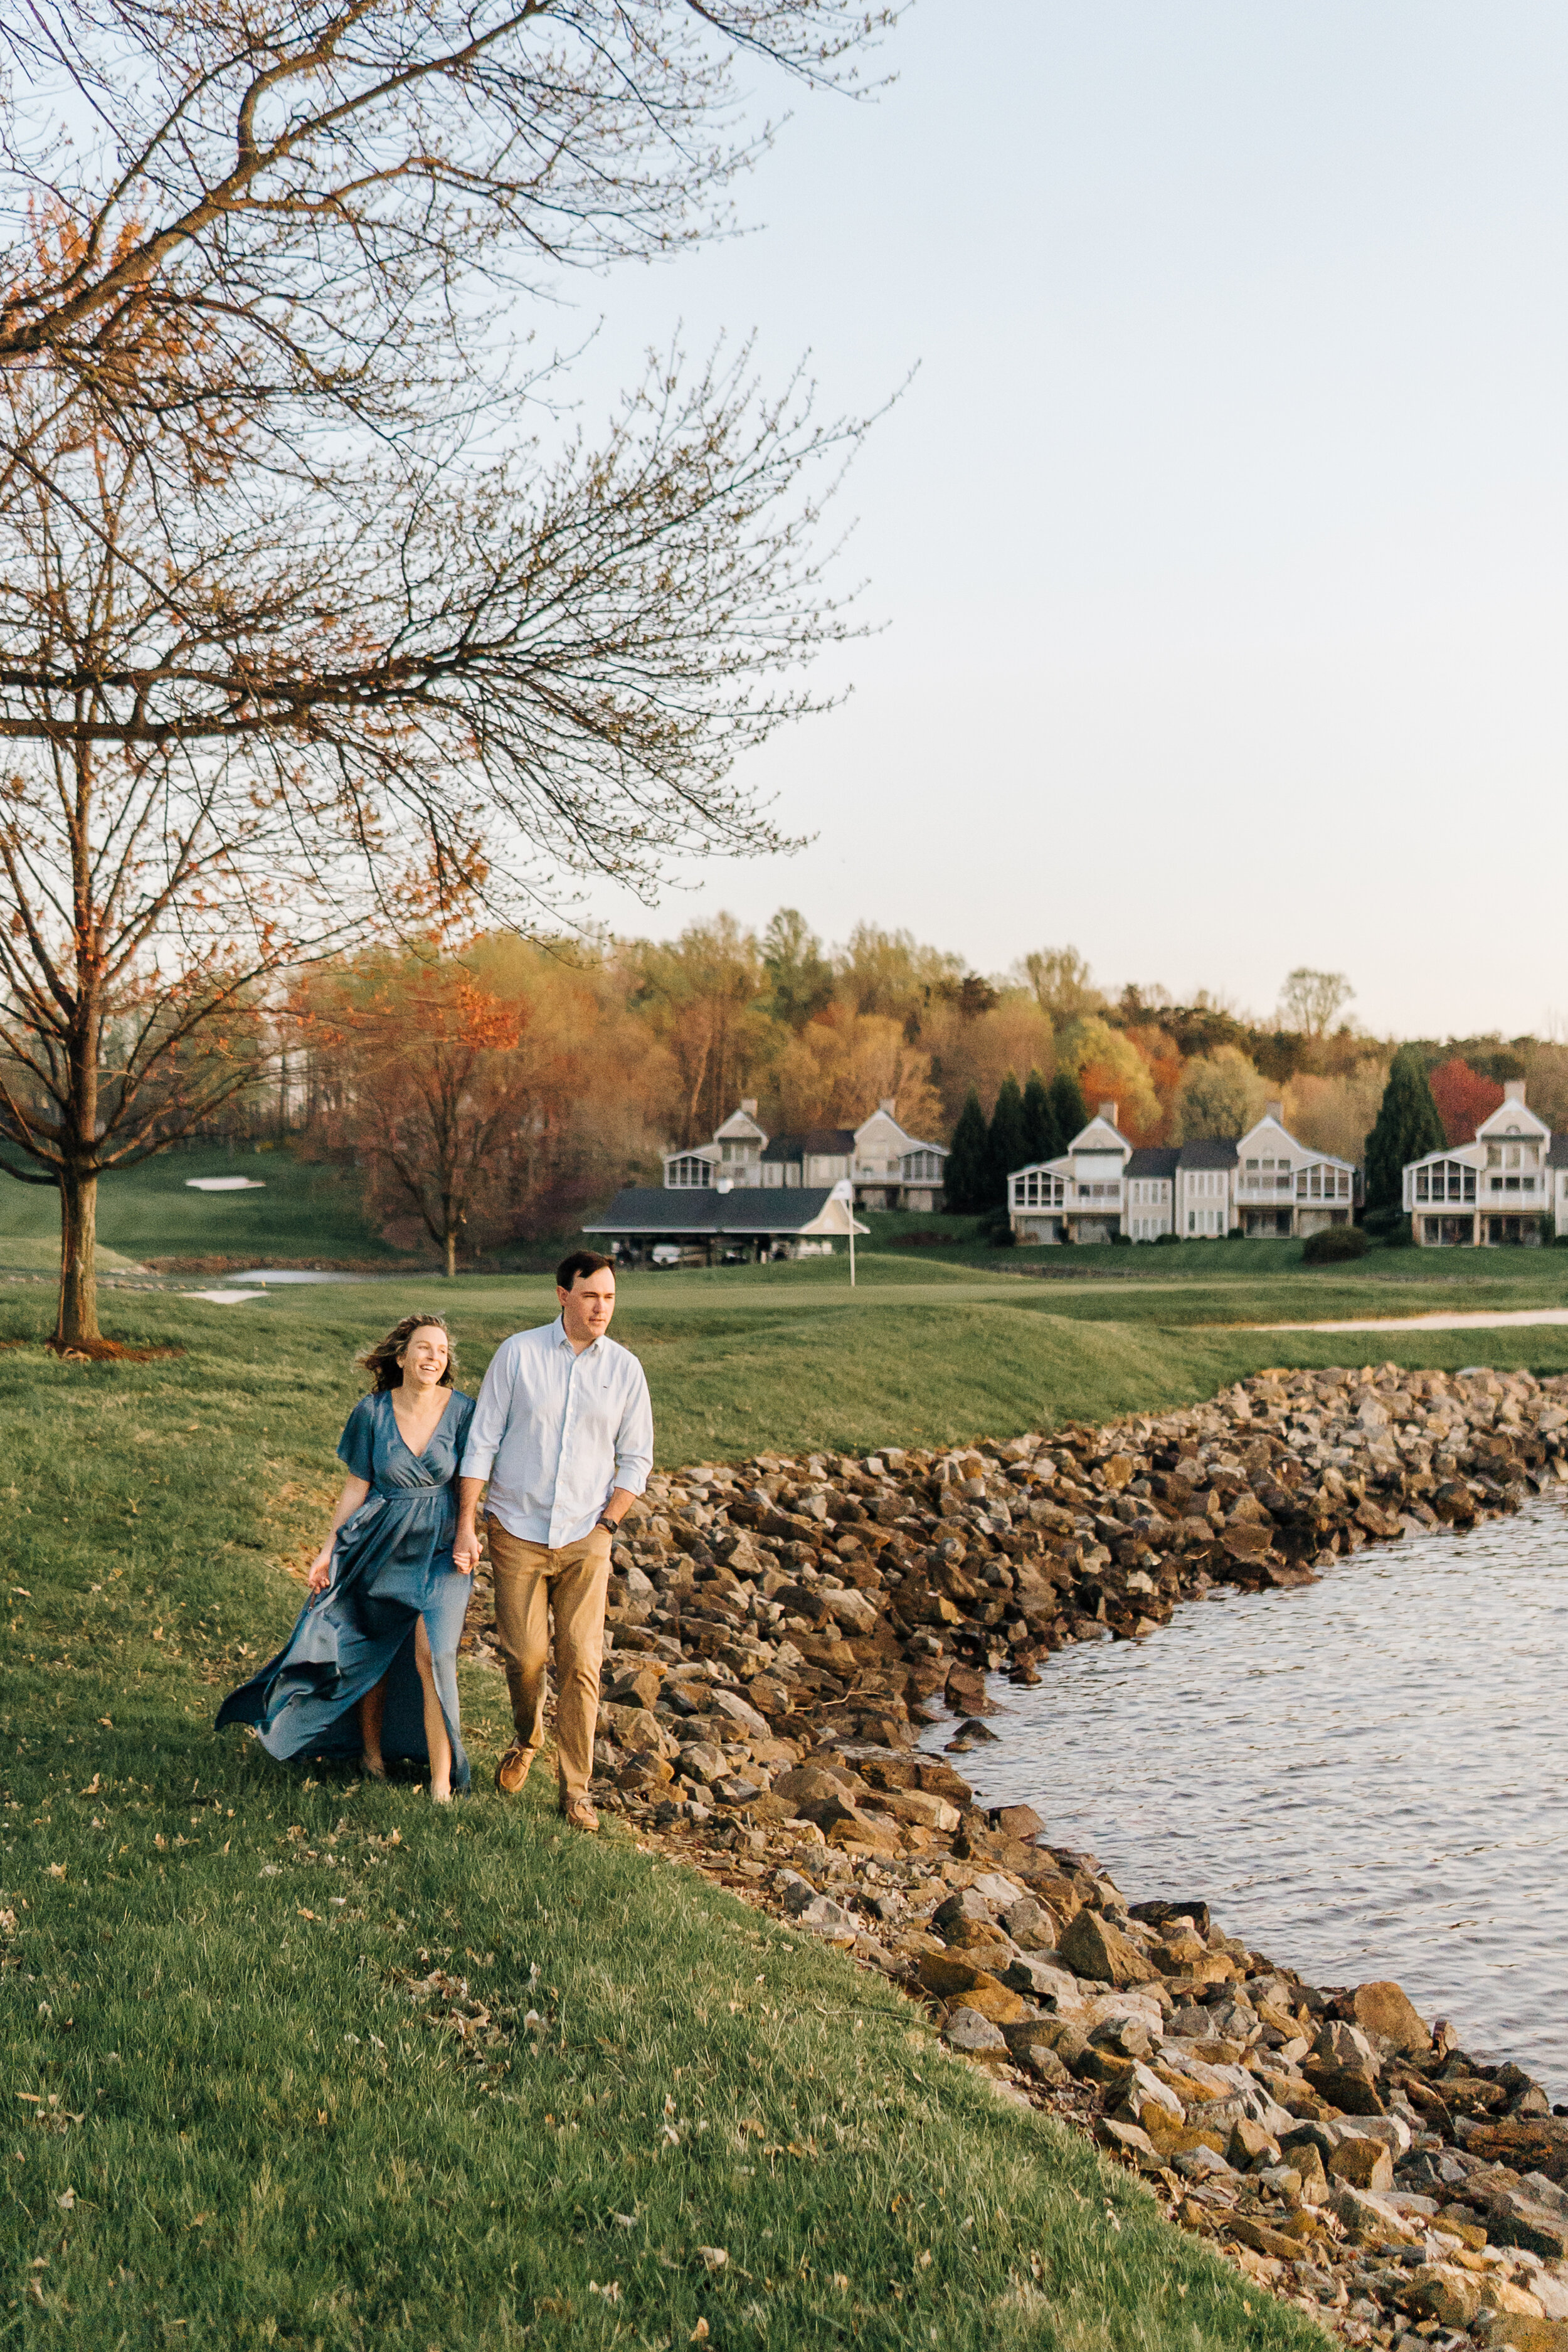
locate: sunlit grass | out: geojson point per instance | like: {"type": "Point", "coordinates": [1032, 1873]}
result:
{"type": "Point", "coordinates": [233, 2118]}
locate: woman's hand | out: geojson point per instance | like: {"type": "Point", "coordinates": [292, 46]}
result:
{"type": "Point", "coordinates": [465, 1551]}
{"type": "Point", "coordinates": [321, 1571]}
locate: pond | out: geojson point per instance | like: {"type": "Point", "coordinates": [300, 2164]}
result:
{"type": "Point", "coordinates": [1363, 1777]}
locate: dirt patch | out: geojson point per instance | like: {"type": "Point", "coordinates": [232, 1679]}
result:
{"type": "Point", "coordinates": [105, 1351]}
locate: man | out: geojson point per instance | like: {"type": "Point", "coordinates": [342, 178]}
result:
{"type": "Point", "coordinates": [564, 1433]}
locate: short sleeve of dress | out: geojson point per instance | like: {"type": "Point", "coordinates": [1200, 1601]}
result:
{"type": "Point", "coordinates": [460, 1420]}
{"type": "Point", "coordinates": [356, 1446]}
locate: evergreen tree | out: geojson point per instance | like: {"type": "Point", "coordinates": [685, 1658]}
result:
{"type": "Point", "coordinates": [968, 1155]}
{"type": "Point", "coordinates": [1006, 1148]}
{"type": "Point", "coordinates": [1407, 1127]}
{"type": "Point", "coordinates": [1041, 1139]}
{"type": "Point", "coordinates": [1067, 1104]}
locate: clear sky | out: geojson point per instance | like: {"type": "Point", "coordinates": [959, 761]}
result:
{"type": "Point", "coordinates": [1222, 538]}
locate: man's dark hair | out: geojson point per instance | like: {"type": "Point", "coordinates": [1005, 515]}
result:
{"type": "Point", "coordinates": [581, 1261]}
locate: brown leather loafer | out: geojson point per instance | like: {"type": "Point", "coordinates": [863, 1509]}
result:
{"type": "Point", "coordinates": [512, 1771]}
{"type": "Point", "coordinates": [579, 1814]}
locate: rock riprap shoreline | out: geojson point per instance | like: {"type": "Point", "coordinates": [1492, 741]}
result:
{"type": "Point", "coordinates": [782, 1630]}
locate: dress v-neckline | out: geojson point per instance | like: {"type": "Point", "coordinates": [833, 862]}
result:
{"type": "Point", "coordinates": [435, 1432]}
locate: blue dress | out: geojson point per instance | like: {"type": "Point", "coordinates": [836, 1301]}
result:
{"type": "Point", "coordinates": [392, 1565]}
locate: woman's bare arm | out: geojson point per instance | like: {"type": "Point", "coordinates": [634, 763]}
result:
{"type": "Point", "coordinates": [354, 1494]}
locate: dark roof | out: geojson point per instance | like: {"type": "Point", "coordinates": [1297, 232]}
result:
{"type": "Point", "coordinates": [1557, 1153]}
{"type": "Point", "coordinates": [703, 1211]}
{"type": "Point", "coordinates": [1153, 1159]}
{"type": "Point", "coordinates": [819, 1142]}
{"type": "Point", "coordinates": [1208, 1152]}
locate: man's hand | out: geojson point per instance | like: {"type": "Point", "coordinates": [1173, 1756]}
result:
{"type": "Point", "coordinates": [466, 1550]}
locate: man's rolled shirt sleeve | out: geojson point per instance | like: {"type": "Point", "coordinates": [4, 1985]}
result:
{"type": "Point", "coordinates": [633, 1440]}
{"type": "Point", "coordinates": [487, 1426]}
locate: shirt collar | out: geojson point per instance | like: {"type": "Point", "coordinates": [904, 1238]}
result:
{"type": "Point", "coordinates": [563, 1341]}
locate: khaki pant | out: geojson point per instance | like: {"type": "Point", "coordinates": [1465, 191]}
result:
{"type": "Point", "coordinates": [530, 1581]}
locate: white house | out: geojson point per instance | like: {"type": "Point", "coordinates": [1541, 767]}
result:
{"type": "Point", "coordinates": [1264, 1182]}
{"type": "Point", "coordinates": [888, 1168]}
{"type": "Point", "coordinates": [1511, 1185]}
{"type": "Point", "coordinates": [892, 1169]}
{"type": "Point", "coordinates": [735, 1155]}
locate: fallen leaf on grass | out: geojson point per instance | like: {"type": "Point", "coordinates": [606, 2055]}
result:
{"type": "Point", "coordinates": [715, 2257]}
{"type": "Point", "coordinates": [66, 2199]}
{"type": "Point", "coordinates": [91, 1788]}
{"type": "Point", "coordinates": [611, 2290]}
{"type": "Point", "coordinates": [56, 1870]}
{"type": "Point", "coordinates": [699, 2333]}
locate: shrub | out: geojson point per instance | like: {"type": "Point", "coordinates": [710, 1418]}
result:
{"type": "Point", "coordinates": [1120, 1241]}
{"type": "Point", "coordinates": [1333, 1246]}
{"type": "Point", "coordinates": [1172, 1241]}
{"type": "Point", "coordinates": [1234, 1233]}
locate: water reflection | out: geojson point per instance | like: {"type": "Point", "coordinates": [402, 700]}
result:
{"type": "Point", "coordinates": [1367, 1777]}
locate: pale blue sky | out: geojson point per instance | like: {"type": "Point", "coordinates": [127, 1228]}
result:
{"type": "Point", "coordinates": [1221, 537]}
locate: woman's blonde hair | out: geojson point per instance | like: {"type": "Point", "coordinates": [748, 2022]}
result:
{"type": "Point", "coordinates": [381, 1361]}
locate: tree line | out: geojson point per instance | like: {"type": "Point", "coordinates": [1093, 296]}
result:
{"type": "Point", "coordinates": [494, 1092]}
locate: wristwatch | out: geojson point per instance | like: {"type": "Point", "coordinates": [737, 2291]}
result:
{"type": "Point", "coordinates": [613, 1525]}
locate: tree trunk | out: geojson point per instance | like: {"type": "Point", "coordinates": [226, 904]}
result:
{"type": "Point", "coordinates": [77, 1326]}
{"type": "Point", "coordinates": [451, 1247]}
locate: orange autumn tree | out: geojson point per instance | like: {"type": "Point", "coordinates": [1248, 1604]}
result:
{"type": "Point", "coordinates": [428, 1088]}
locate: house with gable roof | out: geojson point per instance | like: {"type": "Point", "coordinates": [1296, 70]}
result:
{"type": "Point", "coordinates": [734, 1156]}
{"type": "Point", "coordinates": [1264, 1182]}
{"type": "Point", "coordinates": [886, 1167]}
{"type": "Point", "coordinates": [1510, 1186]}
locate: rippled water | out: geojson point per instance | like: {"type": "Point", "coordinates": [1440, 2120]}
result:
{"type": "Point", "coordinates": [1365, 1777]}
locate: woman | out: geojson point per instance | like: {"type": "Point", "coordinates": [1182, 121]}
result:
{"type": "Point", "coordinates": [372, 1663]}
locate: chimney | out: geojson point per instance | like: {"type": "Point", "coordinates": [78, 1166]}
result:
{"type": "Point", "coordinates": [1513, 1090]}
{"type": "Point", "coordinates": [1275, 1111]}
{"type": "Point", "coordinates": [1108, 1110]}
{"type": "Point", "coordinates": [889, 1103]}
{"type": "Point", "coordinates": [749, 1105]}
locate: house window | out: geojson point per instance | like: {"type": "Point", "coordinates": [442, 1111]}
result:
{"type": "Point", "coordinates": [690, 1173]}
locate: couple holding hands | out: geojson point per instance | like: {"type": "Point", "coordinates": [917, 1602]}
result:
{"type": "Point", "coordinates": [562, 1432]}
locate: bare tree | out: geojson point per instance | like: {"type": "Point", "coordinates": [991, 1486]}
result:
{"type": "Point", "coordinates": [1062, 983]}
{"type": "Point", "coordinates": [245, 729]}
{"type": "Point", "coordinates": [1311, 1000]}
{"type": "Point", "coordinates": [255, 206]}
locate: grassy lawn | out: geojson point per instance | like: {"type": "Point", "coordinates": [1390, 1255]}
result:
{"type": "Point", "coordinates": [245, 2102]}
{"type": "Point", "coordinates": [306, 1210]}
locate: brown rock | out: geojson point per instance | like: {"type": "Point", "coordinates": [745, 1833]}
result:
{"type": "Point", "coordinates": [1523, 2334]}
{"type": "Point", "coordinates": [952, 1976]}
{"type": "Point", "coordinates": [1092, 1947]}
{"type": "Point", "coordinates": [1262, 2239]}
{"type": "Point", "coordinates": [919, 1807]}
{"type": "Point", "coordinates": [994, 2001]}
{"type": "Point", "coordinates": [1093, 2064]}
{"type": "Point", "coordinates": [637, 1688]}
{"type": "Point", "coordinates": [1340, 2086]}
{"type": "Point", "coordinates": [1250, 2140]}
{"type": "Point", "coordinates": [1364, 2163]}
{"type": "Point", "coordinates": [1442, 2290]}
{"type": "Point", "coordinates": [1020, 1821]}
{"type": "Point", "coordinates": [977, 1935]}
{"type": "Point", "coordinates": [1385, 2007]}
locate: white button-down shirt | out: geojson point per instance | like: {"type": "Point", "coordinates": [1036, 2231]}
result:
{"type": "Point", "coordinates": [555, 1432]}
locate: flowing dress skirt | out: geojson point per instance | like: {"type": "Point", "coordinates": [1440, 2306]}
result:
{"type": "Point", "coordinates": [393, 1566]}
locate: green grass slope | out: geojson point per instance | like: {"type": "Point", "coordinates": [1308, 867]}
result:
{"type": "Point", "coordinates": [305, 2063]}
{"type": "Point", "coordinates": [306, 1210]}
